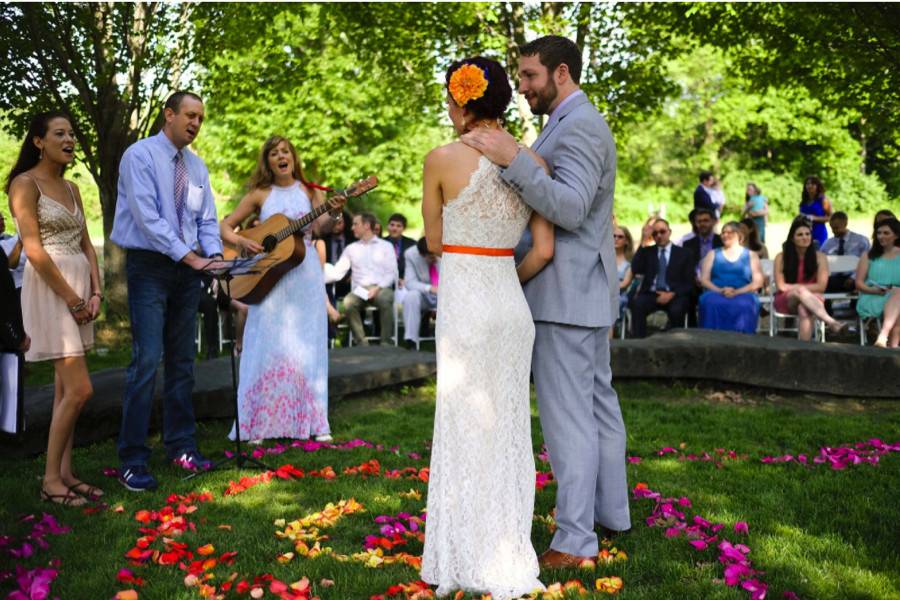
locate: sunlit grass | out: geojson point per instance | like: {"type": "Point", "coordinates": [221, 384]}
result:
{"type": "Point", "coordinates": [821, 533]}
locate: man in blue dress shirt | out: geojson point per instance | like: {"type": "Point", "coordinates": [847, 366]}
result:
{"type": "Point", "coordinates": [166, 220]}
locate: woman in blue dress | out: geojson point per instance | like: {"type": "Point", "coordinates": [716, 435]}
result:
{"type": "Point", "coordinates": [730, 275]}
{"type": "Point", "coordinates": [283, 389]}
{"type": "Point", "coordinates": [624, 245]}
{"type": "Point", "coordinates": [816, 207]}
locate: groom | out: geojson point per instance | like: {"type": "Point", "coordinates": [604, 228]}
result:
{"type": "Point", "coordinates": [574, 299]}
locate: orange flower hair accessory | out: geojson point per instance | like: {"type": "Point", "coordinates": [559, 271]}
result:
{"type": "Point", "coordinates": [467, 83]}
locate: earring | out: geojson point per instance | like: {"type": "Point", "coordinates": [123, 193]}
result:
{"type": "Point", "coordinates": [41, 155]}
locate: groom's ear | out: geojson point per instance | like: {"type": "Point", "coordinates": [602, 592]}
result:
{"type": "Point", "coordinates": [562, 73]}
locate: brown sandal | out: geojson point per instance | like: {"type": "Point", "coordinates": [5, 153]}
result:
{"type": "Point", "coordinates": [69, 499]}
{"type": "Point", "coordinates": [92, 493]}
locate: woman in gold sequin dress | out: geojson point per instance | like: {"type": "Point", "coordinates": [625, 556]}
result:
{"type": "Point", "coordinates": [60, 288]}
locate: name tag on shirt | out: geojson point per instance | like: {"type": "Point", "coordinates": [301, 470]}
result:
{"type": "Point", "coordinates": [194, 198]}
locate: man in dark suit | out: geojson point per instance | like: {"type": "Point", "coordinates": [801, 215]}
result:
{"type": "Point", "coordinates": [667, 273]}
{"type": "Point", "coordinates": [704, 240]}
{"type": "Point", "coordinates": [702, 199]}
{"type": "Point", "coordinates": [401, 243]}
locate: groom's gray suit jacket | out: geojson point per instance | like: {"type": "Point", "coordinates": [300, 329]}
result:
{"type": "Point", "coordinates": [580, 285]}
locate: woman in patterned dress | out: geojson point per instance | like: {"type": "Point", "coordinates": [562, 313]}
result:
{"type": "Point", "coordinates": [60, 288]}
{"type": "Point", "coordinates": [283, 389]}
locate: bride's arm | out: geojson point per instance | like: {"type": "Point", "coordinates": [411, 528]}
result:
{"type": "Point", "coordinates": [543, 237]}
{"type": "Point", "coordinates": [433, 202]}
{"type": "Point", "coordinates": [541, 251]}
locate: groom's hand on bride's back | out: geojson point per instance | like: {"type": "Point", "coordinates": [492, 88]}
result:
{"type": "Point", "coordinates": [496, 144]}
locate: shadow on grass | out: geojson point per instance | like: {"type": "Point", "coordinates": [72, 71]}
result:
{"type": "Point", "coordinates": [820, 533]}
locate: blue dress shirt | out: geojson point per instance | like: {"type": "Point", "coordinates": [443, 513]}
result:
{"type": "Point", "coordinates": [145, 208]}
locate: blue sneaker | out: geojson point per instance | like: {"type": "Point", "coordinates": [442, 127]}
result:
{"type": "Point", "coordinates": [138, 479]}
{"type": "Point", "coordinates": [192, 460]}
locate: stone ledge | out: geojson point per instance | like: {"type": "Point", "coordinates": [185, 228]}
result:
{"type": "Point", "coordinates": [756, 360]}
{"type": "Point", "coordinates": [350, 371]}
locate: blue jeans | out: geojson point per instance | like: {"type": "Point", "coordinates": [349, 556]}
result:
{"type": "Point", "coordinates": [162, 302]}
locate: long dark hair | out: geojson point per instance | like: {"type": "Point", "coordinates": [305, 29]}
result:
{"type": "Point", "coordinates": [820, 190]}
{"type": "Point", "coordinates": [790, 258]}
{"type": "Point", "coordinates": [876, 250]}
{"type": "Point", "coordinates": [753, 241]}
{"type": "Point", "coordinates": [29, 155]}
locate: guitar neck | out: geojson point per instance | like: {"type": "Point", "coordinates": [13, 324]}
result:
{"type": "Point", "coordinates": [298, 224]}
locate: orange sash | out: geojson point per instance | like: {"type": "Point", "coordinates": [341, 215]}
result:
{"type": "Point", "coordinates": [477, 250]}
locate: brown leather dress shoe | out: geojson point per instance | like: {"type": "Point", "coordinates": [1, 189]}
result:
{"type": "Point", "coordinates": [553, 559]}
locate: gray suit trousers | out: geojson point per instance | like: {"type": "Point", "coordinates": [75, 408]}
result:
{"type": "Point", "coordinates": [584, 433]}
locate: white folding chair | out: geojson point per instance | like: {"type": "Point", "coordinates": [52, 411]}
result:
{"type": "Point", "coordinates": [767, 292]}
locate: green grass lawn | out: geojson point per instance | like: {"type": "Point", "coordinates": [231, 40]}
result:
{"type": "Point", "coordinates": [818, 532]}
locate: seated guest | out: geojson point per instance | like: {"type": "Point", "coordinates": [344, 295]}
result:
{"type": "Point", "coordinates": [333, 315]}
{"type": "Point", "coordinates": [647, 231]}
{"type": "Point", "coordinates": [844, 243]}
{"type": "Point", "coordinates": [339, 238]}
{"type": "Point", "coordinates": [401, 243]}
{"type": "Point", "coordinates": [731, 275]}
{"type": "Point", "coordinates": [373, 272]}
{"type": "Point", "coordinates": [667, 273]}
{"type": "Point", "coordinates": [756, 207]}
{"type": "Point", "coordinates": [705, 238]}
{"type": "Point", "coordinates": [420, 288]}
{"type": "Point", "coordinates": [880, 216]}
{"type": "Point", "coordinates": [878, 282]}
{"type": "Point", "coordinates": [624, 252]}
{"type": "Point", "coordinates": [15, 254]}
{"type": "Point", "coordinates": [12, 331]}
{"type": "Point", "coordinates": [750, 238]}
{"type": "Point", "coordinates": [801, 274]}
{"type": "Point", "coordinates": [702, 196]}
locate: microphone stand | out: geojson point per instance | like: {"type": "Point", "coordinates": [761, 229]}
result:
{"type": "Point", "coordinates": [240, 460]}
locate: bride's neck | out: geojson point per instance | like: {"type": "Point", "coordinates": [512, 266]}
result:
{"type": "Point", "coordinates": [486, 123]}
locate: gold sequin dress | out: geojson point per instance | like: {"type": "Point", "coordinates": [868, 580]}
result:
{"type": "Point", "coordinates": [54, 333]}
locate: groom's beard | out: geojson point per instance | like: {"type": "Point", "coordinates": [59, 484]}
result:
{"type": "Point", "coordinates": [544, 98]}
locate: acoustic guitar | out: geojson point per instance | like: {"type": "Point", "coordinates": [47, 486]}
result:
{"type": "Point", "coordinates": [282, 240]}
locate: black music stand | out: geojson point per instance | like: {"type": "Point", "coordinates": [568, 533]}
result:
{"type": "Point", "coordinates": [224, 275]}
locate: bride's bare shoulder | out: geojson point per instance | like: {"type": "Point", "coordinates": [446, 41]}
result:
{"type": "Point", "coordinates": [454, 152]}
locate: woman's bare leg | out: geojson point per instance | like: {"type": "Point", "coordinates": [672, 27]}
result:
{"type": "Point", "coordinates": [890, 321]}
{"type": "Point", "coordinates": [72, 389]}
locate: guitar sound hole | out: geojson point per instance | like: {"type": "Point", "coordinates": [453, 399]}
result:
{"type": "Point", "coordinates": [269, 243]}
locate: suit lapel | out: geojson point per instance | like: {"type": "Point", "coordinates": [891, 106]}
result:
{"type": "Point", "coordinates": [568, 108]}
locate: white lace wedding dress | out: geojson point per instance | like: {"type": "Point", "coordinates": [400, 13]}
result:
{"type": "Point", "coordinates": [481, 488]}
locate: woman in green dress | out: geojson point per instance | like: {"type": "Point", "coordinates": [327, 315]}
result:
{"type": "Point", "coordinates": [878, 282]}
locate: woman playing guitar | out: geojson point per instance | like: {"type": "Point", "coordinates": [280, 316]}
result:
{"type": "Point", "coordinates": [283, 390]}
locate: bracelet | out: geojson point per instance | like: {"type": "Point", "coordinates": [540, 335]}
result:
{"type": "Point", "coordinates": [77, 308]}
{"type": "Point", "coordinates": [98, 295]}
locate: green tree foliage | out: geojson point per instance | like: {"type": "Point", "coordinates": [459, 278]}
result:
{"type": "Point", "coordinates": [773, 136]}
{"type": "Point", "coordinates": [845, 55]}
{"type": "Point", "coordinates": [109, 65]}
{"type": "Point", "coordinates": [348, 117]}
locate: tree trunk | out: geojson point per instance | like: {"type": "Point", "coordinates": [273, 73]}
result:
{"type": "Point", "coordinates": [512, 16]}
{"type": "Point", "coordinates": [863, 141]}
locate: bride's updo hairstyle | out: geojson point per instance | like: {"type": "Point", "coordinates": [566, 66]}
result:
{"type": "Point", "coordinates": [468, 90]}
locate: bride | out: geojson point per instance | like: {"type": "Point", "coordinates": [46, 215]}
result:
{"type": "Point", "coordinates": [481, 489]}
